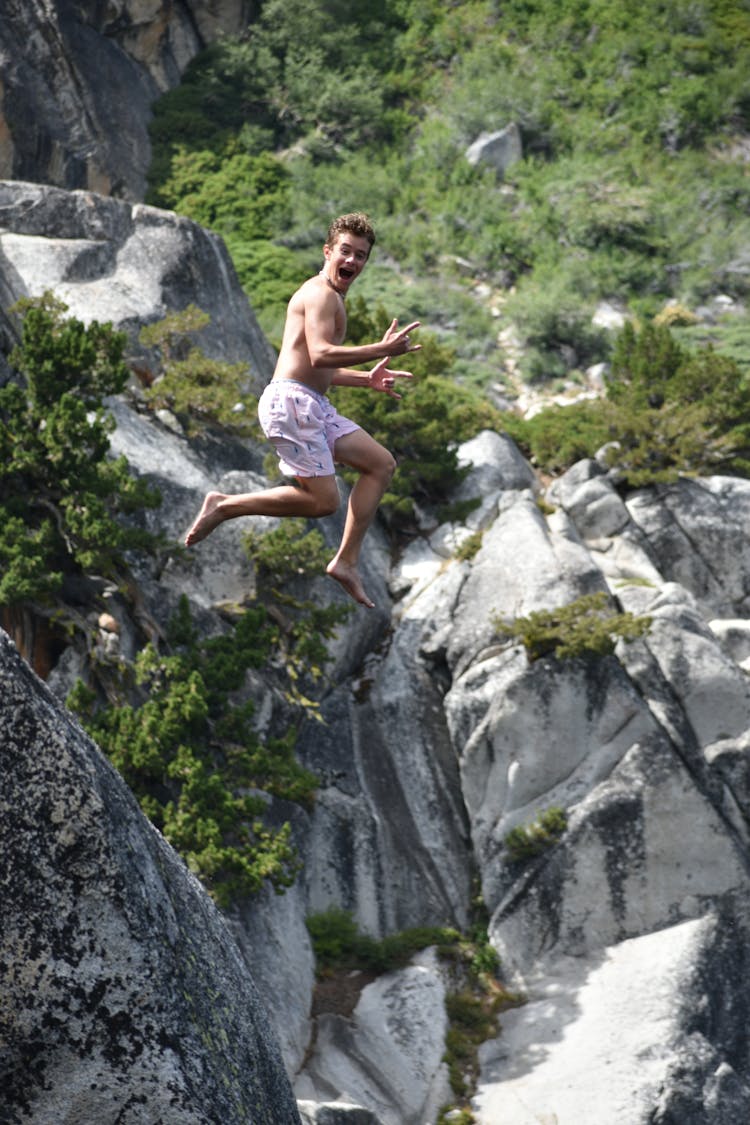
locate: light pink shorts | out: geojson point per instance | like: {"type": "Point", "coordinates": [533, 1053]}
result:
{"type": "Point", "coordinates": [303, 426]}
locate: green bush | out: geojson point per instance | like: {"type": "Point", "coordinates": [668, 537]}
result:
{"type": "Point", "coordinates": [338, 943]}
{"type": "Point", "coordinates": [196, 388]}
{"type": "Point", "coordinates": [62, 498]}
{"type": "Point", "coordinates": [583, 628]}
{"type": "Point", "coordinates": [192, 757]}
{"type": "Point", "coordinates": [674, 411]}
{"type": "Point", "coordinates": [526, 841]}
{"type": "Point", "coordinates": [668, 411]}
{"type": "Point", "coordinates": [240, 196]}
{"type": "Point", "coordinates": [559, 436]}
{"type": "Point", "coordinates": [289, 553]}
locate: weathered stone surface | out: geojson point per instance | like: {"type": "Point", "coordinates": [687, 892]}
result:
{"type": "Point", "coordinates": [520, 567]}
{"type": "Point", "coordinates": [77, 83]}
{"type": "Point", "coordinates": [390, 789]}
{"type": "Point", "coordinates": [125, 997]}
{"type": "Point", "coordinates": [501, 149]}
{"type": "Point", "coordinates": [642, 1032]}
{"type": "Point", "coordinates": [388, 1056]}
{"type": "Point", "coordinates": [270, 932]}
{"type": "Point", "coordinates": [335, 1113]}
{"type": "Point", "coordinates": [129, 265]}
{"type": "Point", "coordinates": [533, 737]}
{"type": "Point", "coordinates": [697, 532]}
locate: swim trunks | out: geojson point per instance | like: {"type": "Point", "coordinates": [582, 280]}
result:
{"type": "Point", "coordinates": [303, 425]}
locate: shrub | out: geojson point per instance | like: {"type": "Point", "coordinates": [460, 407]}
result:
{"type": "Point", "coordinates": [673, 411]}
{"type": "Point", "coordinates": [62, 497]}
{"type": "Point", "coordinates": [559, 436]}
{"type": "Point", "coordinates": [192, 758]}
{"type": "Point", "coordinates": [338, 944]}
{"type": "Point", "coordinates": [196, 388]}
{"type": "Point", "coordinates": [470, 546]}
{"type": "Point", "coordinates": [525, 842]}
{"type": "Point", "coordinates": [283, 556]}
{"type": "Point", "coordinates": [238, 195]}
{"type": "Point", "coordinates": [583, 628]}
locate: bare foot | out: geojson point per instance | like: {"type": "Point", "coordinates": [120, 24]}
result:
{"type": "Point", "coordinates": [207, 519]}
{"type": "Point", "coordinates": [348, 577]}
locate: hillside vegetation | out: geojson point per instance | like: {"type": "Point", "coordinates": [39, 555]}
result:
{"type": "Point", "coordinates": [633, 187]}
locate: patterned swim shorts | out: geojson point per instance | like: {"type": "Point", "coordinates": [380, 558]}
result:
{"type": "Point", "coordinates": [303, 426]}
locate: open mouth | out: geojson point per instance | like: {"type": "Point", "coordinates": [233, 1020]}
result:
{"type": "Point", "coordinates": [346, 273]}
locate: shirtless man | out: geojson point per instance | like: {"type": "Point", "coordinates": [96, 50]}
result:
{"type": "Point", "coordinates": [300, 421]}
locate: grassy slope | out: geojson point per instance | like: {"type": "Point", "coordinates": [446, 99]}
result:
{"type": "Point", "coordinates": [633, 189]}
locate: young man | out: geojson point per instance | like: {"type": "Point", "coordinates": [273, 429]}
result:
{"type": "Point", "coordinates": [300, 421]}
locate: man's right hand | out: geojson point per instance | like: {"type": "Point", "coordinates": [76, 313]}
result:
{"type": "Point", "coordinates": [396, 340]}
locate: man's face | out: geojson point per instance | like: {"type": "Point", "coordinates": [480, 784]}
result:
{"type": "Point", "coordinates": [346, 259]}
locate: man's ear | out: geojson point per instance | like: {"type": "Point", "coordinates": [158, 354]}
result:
{"type": "Point", "coordinates": [326, 251]}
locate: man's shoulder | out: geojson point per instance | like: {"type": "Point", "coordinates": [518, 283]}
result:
{"type": "Point", "coordinates": [314, 290]}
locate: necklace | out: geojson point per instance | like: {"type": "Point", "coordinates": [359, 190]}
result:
{"type": "Point", "coordinates": [334, 287]}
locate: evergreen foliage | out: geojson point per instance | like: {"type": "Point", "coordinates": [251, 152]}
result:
{"type": "Point", "coordinates": [630, 186]}
{"type": "Point", "coordinates": [527, 841]}
{"type": "Point", "coordinates": [673, 411]}
{"type": "Point", "coordinates": [197, 388]}
{"type": "Point", "coordinates": [305, 624]}
{"type": "Point", "coordinates": [193, 759]}
{"type": "Point", "coordinates": [338, 943]}
{"type": "Point", "coordinates": [585, 627]}
{"type": "Point", "coordinates": [668, 411]}
{"type": "Point", "coordinates": [61, 495]}
{"type": "Point", "coordinates": [180, 733]}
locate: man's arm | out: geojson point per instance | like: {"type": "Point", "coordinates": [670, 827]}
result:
{"type": "Point", "coordinates": [320, 335]}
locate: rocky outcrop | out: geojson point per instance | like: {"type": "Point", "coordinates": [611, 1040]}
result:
{"type": "Point", "coordinates": [127, 264]}
{"type": "Point", "coordinates": [628, 935]}
{"type": "Point", "coordinates": [77, 83]}
{"type": "Point", "coordinates": [389, 1055]}
{"type": "Point", "coordinates": [124, 996]}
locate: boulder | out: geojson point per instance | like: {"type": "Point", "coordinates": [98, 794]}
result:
{"type": "Point", "coordinates": [129, 265]}
{"type": "Point", "coordinates": [388, 1055]}
{"type": "Point", "coordinates": [335, 1113]}
{"type": "Point", "coordinates": [125, 996]}
{"type": "Point", "coordinates": [500, 149]}
{"type": "Point", "coordinates": [697, 533]}
{"type": "Point", "coordinates": [532, 737]}
{"type": "Point", "coordinates": [520, 567]}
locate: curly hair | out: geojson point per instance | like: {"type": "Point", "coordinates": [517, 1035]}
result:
{"type": "Point", "coordinates": [354, 223]}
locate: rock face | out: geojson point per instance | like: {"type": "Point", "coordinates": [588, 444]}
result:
{"type": "Point", "coordinates": [124, 995]}
{"type": "Point", "coordinates": [128, 264]}
{"type": "Point", "coordinates": [389, 1055]}
{"type": "Point", "coordinates": [629, 935]}
{"type": "Point", "coordinates": [77, 83]}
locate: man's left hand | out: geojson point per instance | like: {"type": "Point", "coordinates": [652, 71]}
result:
{"type": "Point", "coordinates": [383, 379]}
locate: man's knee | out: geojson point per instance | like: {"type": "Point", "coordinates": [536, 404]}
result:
{"type": "Point", "coordinates": [326, 506]}
{"type": "Point", "coordinates": [387, 466]}
{"type": "Point", "coordinates": [324, 499]}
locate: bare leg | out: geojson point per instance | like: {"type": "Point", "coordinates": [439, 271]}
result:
{"type": "Point", "coordinates": [376, 466]}
{"type": "Point", "coordinates": [316, 496]}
